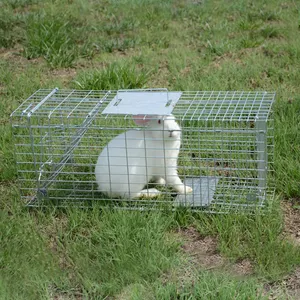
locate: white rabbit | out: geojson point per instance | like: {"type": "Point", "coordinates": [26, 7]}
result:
{"type": "Point", "coordinates": [134, 157]}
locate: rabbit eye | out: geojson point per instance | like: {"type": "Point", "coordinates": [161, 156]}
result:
{"type": "Point", "coordinates": [159, 121]}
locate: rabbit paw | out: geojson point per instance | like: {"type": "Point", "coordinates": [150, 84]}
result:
{"type": "Point", "coordinates": [161, 181]}
{"type": "Point", "coordinates": [184, 189]}
{"type": "Point", "coordinates": [149, 193]}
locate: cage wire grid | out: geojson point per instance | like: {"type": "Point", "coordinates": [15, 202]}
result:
{"type": "Point", "coordinates": [226, 151]}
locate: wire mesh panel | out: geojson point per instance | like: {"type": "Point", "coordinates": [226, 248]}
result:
{"type": "Point", "coordinates": [205, 150]}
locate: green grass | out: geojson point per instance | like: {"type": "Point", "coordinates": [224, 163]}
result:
{"type": "Point", "coordinates": [194, 45]}
{"type": "Point", "coordinates": [209, 286]}
{"type": "Point", "coordinates": [55, 38]}
{"type": "Point", "coordinates": [287, 160]}
{"type": "Point", "coordinates": [255, 238]}
{"type": "Point", "coordinates": [27, 267]}
{"type": "Point", "coordinates": [10, 28]}
{"type": "Point", "coordinates": [15, 4]}
{"type": "Point", "coordinates": [205, 285]}
{"type": "Point", "coordinates": [114, 76]}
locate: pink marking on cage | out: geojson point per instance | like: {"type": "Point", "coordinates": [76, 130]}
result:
{"type": "Point", "coordinates": [142, 120]}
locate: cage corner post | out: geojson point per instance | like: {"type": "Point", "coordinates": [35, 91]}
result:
{"type": "Point", "coordinates": [35, 199]}
{"type": "Point", "coordinates": [261, 144]}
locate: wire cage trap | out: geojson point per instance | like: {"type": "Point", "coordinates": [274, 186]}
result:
{"type": "Point", "coordinates": [206, 150]}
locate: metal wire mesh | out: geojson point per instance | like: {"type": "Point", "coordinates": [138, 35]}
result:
{"type": "Point", "coordinates": [226, 149]}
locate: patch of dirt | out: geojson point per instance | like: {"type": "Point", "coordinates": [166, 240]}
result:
{"type": "Point", "coordinates": [185, 71]}
{"type": "Point", "coordinates": [5, 52]}
{"type": "Point", "coordinates": [204, 254]}
{"type": "Point", "coordinates": [292, 220]}
{"type": "Point", "coordinates": [202, 250]}
{"type": "Point", "coordinates": [65, 75]}
{"type": "Point", "coordinates": [288, 288]}
{"type": "Point", "coordinates": [226, 57]}
{"type": "Point", "coordinates": [14, 55]}
{"type": "Point", "coordinates": [242, 268]}
{"type": "Point", "coordinates": [292, 284]}
{"type": "Point", "coordinates": [57, 294]}
{"type": "Point", "coordinates": [129, 292]}
{"type": "Point", "coordinates": [51, 232]}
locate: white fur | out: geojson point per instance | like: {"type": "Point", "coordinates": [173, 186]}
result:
{"type": "Point", "coordinates": [133, 158]}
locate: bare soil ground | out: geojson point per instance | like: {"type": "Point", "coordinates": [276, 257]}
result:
{"type": "Point", "coordinates": [204, 254]}
{"type": "Point", "coordinates": [287, 288]}
{"type": "Point", "coordinates": [291, 213]}
{"type": "Point", "coordinates": [17, 59]}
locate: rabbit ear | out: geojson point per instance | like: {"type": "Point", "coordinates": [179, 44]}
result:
{"type": "Point", "coordinates": [141, 120]}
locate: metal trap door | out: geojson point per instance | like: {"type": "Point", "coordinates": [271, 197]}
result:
{"type": "Point", "coordinates": [204, 188]}
{"type": "Point", "coordinates": [146, 102]}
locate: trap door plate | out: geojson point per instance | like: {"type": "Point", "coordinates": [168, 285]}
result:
{"type": "Point", "coordinates": [143, 103]}
{"type": "Point", "coordinates": [204, 188]}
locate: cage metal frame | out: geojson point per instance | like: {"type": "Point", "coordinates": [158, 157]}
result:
{"type": "Point", "coordinates": [51, 125]}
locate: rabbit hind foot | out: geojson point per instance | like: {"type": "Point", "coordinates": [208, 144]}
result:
{"type": "Point", "coordinates": [149, 193]}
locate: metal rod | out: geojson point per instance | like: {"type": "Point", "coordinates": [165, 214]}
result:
{"type": "Point", "coordinates": [42, 102]}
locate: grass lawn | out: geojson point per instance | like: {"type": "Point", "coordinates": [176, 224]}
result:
{"type": "Point", "coordinates": [181, 45]}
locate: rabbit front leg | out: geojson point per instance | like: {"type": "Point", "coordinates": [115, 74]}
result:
{"type": "Point", "coordinates": [174, 181]}
{"type": "Point", "coordinates": [159, 180]}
